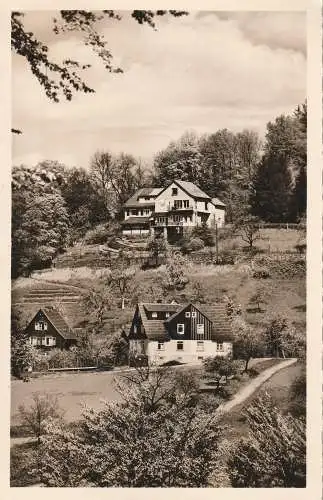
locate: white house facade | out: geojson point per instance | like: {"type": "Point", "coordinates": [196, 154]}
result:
{"type": "Point", "coordinates": [173, 332]}
{"type": "Point", "coordinates": [180, 205]}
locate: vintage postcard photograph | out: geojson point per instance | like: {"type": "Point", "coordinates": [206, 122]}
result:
{"type": "Point", "coordinates": [158, 249]}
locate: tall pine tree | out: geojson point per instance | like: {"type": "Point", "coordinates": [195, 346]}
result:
{"type": "Point", "coordinates": [272, 189]}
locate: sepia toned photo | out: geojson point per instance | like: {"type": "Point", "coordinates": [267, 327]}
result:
{"type": "Point", "coordinates": [158, 249]}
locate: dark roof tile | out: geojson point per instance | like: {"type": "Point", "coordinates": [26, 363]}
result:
{"type": "Point", "coordinates": [157, 329]}
{"type": "Point", "coordinates": [133, 201]}
{"type": "Point", "coordinates": [59, 323]}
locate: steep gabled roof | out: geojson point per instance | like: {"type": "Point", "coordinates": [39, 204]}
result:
{"type": "Point", "coordinates": [221, 323]}
{"type": "Point", "coordinates": [178, 311]}
{"type": "Point", "coordinates": [57, 321]}
{"type": "Point", "coordinates": [192, 189]}
{"type": "Point", "coordinates": [157, 329]}
{"type": "Point", "coordinates": [189, 187]}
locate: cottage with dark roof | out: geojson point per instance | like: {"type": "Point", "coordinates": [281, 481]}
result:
{"type": "Point", "coordinates": [187, 333]}
{"type": "Point", "coordinates": [179, 205]}
{"type": "Point", "coordinates": [48, 329]}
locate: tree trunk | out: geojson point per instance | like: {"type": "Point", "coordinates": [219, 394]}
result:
{"type": "Point", "coordinates": [246, 365]}
{"type": "Point", "coordinates": [122, 303]}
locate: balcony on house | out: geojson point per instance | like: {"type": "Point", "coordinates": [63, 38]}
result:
{"type": "Point", "coordinates": [167, 221]}
{"type": "Point", "coordinates": [180, 205]}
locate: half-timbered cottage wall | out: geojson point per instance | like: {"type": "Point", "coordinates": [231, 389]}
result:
{"type": "Point", "coordinates": [196, 325]}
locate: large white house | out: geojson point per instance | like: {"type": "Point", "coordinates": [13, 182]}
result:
{"type": "Point", "coordinates": [179, 205]}
{"type": "Point", "coordinates": [185, 333]}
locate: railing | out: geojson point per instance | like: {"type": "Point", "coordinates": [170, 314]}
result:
{"type": "Point", "coordinates": [177, 208]}
{"type": "Point", "coordinates": [167, 223]}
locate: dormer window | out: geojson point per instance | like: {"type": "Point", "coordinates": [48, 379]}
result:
{"type": "Point", "coordinates": [174, 191]}
{"type": "Point", "coordinates": [180, 328]}
{"type": "Point", "coordinates": [154, 315]}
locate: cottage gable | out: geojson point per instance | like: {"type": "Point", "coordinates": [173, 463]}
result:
{"type": "Point", "coordinates": [174, 197]}
{"type": "Point", "coordinates": [189, 323]}
{"type": "Point", "coordinates": [189, 333]}
{"type": "Point", "coordinates": [49, 329]}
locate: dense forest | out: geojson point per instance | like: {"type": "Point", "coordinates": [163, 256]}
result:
{"type": "Point", "coordinates": [54, 205]}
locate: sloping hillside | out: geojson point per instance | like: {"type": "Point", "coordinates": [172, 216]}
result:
{"type": "Point", "coordinates": [36, 294]}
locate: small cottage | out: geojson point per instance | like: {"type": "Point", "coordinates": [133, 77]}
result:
{"type": "Point", "coordinates": [174, 332]}
{"type": "Point", "coordinates": [48, 330]}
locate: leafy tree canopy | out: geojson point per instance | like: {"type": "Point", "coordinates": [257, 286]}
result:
{"type": "Point", "coordinates": [63, 79]}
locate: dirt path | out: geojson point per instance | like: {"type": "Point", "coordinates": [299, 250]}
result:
{"type": "Point", "coordinates": [249, 389]}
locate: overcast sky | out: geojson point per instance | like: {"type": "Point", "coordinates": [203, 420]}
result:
{"type": "Point", "coordinates": [202, 72]}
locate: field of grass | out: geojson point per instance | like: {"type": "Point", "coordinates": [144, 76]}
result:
{"type": "Point", "coordinates": [272, 240]}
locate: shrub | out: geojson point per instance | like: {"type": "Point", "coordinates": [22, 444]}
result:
{"type": "Point", "coordinates": [23, 465]}
{"type": "Point", "coordinates": [58, 358]}
{"type": "Point", "coordinates": [219, 365]}
{"type": "Point", "coordinates": [274, 454]}
{"type": "Point", "coordinates": [139, 360]}
{"type": "Point", "coordinates": [227, 257]}
{"type": "Point", "coordinates": [195, 244]}
{"type": "Point", "coordinates": [205, 234]}
{"type": "Point", "coordinates": [301, 248]}
{"type": "Point", "coordinates": [261, 272]}
{"type": "Point", "coordinates": [297, 396]}
{"type": "Point", "coordinates": [98, 235]}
